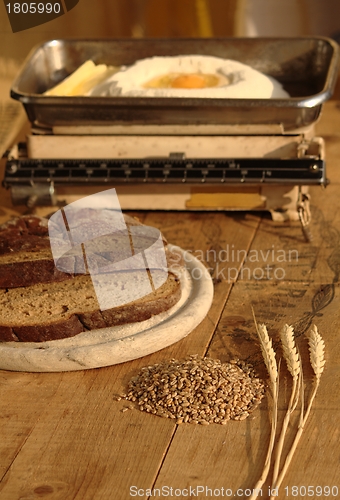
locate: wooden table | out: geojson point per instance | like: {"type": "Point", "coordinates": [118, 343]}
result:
{"type": "Point", "coordinates": [64, 436]}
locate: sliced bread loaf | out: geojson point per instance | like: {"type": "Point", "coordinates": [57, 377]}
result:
{"type": "Point", "coordinates": [25, 253]}
{"type": "Point", "coordinates": [26, 257]}
{"type": "Point", "coordinates": [66, 308]}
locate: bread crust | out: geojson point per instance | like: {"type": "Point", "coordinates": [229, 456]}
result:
{"type": "Point", "coordinates": [139, 310]}
{"type": "Point", "coordinates": [21, 238]}
{"type": "Point", "coordinates": [41, 333]}
{"type": "Point", "coordinates": [26, 273]}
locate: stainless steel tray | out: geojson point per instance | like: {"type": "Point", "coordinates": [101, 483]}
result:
{"type": "Point", "coordinates": [306, 67]}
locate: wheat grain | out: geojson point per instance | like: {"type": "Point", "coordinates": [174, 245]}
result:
{"type": "Point", "coordinates": [197, 390]}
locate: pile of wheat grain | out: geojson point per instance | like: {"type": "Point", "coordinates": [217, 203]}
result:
{"type": "Point", "coordinates": [197, 390]}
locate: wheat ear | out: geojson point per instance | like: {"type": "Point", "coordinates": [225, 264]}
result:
{"type": "Point", "coordinates": [316, 353]}
{"type": "Point", "coordinates": [317, 360]}
{"type": "Point", "coordinates": [293, 361]}
{"type": "Point", "coordinates": [268, 354]}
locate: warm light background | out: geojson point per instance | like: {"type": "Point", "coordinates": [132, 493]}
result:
{"type": "Point", "coordinates": [176, 18]}
{"type": "Point", "coordinates": [179, 18]}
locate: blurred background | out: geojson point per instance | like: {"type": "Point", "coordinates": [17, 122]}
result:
{"type": "Point", "coordinates": [172, 18]}
{"type": "Point", "coordinates": [178, 18]}
{"type": "Point", "coordinates": [158, 18]}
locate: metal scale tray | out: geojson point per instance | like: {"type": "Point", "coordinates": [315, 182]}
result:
{"type": "Point", "coordinates": [306, 67]}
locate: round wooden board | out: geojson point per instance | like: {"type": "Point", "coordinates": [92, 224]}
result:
{"type": "Point", "coordinates": [110, 346]}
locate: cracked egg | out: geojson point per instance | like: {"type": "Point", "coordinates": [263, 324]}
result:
{"type": "Point", "coordinates": [193, 76]}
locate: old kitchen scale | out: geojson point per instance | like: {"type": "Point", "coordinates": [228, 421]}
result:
{"type": "Point", "coordinates": [176, 153]}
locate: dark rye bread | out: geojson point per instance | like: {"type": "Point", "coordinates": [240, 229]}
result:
{"type": "Point", "coordinates": [38, 302]}
{"type": "Point", "coordinates": [52, 311]}
{"type": "Point", "coordinates": [25, 253]}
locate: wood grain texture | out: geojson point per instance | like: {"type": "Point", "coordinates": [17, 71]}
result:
{"type": "Point", "coordinates": [76, 424]}
{"type": "Point", "coordinates": [307, 294]}
{"type": "Point", "coordinates": [63, 435]}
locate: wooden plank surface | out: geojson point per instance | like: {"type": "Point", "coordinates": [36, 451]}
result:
{"type": "Point", "coordinates": [64, 436]}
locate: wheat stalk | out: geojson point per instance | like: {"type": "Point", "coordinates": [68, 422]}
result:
{"type": "Point", "coordinates": [317, 361]}
{"type": "Point", "coordinates": [268, 354]}
{"type": "Point", "coordinates": [293, 361]}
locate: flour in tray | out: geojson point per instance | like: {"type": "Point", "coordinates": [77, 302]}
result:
{"type": "Point", "coordinates": [191, 76]}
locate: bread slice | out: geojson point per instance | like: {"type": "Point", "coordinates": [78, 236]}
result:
{"type": "Point", "coordinates": [39, 302]}
{"type": "Point", "coordinates": [52, 311]}
{"type": "Point", "coordinates": [25, 251]}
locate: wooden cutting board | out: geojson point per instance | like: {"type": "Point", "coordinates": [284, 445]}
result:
{"type": "Point", "coordinates": [109, 346]}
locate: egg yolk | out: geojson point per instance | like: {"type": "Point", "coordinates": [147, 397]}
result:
{"type": "Point", "coordinates": [184, 81]}
{"type": "Point", "coordinates": [189, 82]}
